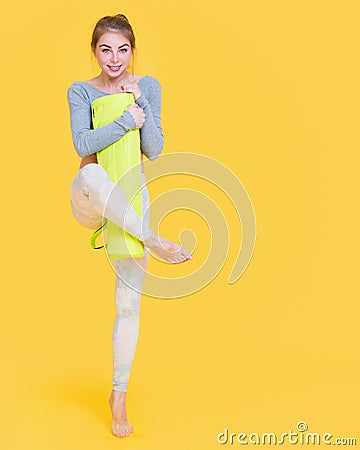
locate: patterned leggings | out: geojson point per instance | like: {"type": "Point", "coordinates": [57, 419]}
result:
{"type": "Point", "coordinates": [94, 196]}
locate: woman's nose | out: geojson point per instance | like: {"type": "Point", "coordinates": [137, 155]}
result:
{"type": "Point", "coordinates": [114, 57]}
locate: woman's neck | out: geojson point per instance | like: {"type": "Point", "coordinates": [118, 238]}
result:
{"type": "Point", "coordinates": [112, 84]}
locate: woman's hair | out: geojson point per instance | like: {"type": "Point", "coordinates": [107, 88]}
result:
{"type": "Point", "coordinates": [116, 24]}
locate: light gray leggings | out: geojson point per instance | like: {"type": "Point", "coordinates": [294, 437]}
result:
{"type": "Point", "coordinates": [94, 196]}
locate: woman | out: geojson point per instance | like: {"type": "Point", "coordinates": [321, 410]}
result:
{"type": "Point", "coordinates": [113, 44]}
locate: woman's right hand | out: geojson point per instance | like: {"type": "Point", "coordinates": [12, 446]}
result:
{"type": "Point", "coordinates": [138, 114]}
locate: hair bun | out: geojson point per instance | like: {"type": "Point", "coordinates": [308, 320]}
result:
{"type": "Point", "coordinates": [121, 16]}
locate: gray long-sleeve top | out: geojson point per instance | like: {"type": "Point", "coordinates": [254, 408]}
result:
{"type": "Point", "coordinates": [88, 140]}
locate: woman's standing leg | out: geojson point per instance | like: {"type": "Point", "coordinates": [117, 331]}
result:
{"type": "Point", "coordinates": [130, 274]}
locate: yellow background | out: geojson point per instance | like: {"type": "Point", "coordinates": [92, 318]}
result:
{"type": "Point", "coordinates": [275, 97]}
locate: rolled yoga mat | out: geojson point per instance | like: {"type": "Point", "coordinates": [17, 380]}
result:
{"type": "Point", "coordinates": [117, 159]}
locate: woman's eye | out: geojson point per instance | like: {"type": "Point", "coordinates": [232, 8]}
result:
{"type": "Point", "coordinates": [122, 50]}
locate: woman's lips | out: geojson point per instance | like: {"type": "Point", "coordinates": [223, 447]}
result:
{"type": "Point", "coordinates": [114, 68]}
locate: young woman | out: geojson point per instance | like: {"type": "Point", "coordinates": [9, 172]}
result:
{"type": "Point", "coordinates": [113, 44]}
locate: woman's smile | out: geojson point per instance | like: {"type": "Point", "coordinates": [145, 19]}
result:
{"type": "Point", "coordinates": [114, 68]}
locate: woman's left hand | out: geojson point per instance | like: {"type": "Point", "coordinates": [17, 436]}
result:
{"type": "Point", "coordinates": [133, 88]}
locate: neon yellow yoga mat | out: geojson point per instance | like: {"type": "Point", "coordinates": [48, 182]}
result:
{"type": "Point", "coordinates": [117, 159]}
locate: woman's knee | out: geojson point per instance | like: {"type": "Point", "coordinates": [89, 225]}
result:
{"type": "Point", "coordinates": [93, 176]}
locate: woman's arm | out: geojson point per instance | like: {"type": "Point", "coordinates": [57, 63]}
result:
{"type": "Point", "coordinates": [86, 140]}
{"type": "Point", "coordinates": [151, 135]}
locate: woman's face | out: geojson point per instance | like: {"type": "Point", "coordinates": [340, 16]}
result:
{"type": "Point", "coordinates": [113, 53]}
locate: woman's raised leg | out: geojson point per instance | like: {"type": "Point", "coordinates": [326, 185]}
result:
{"type": "Point", "coordinates": [105, 198]}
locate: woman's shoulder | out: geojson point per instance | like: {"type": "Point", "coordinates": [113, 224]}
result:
{"type": "Point", "coordinates": [148, 80]}
{"type": "Point", "coordinates": [150, 87]}
{"type": "Point", "coordinates": [82, 92]}
{"type": "Point", "coordinates": [77, 88]}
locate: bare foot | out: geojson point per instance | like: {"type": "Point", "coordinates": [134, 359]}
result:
{"type": "Point", "coordinates": [167, 250]}
{"type": "Point", "coordinates": [120, 424]}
